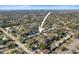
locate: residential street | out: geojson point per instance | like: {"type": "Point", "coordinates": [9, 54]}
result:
{"type": "Point", "coordinates": [17, 42]}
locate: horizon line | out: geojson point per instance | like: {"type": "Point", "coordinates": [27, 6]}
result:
{"type": "Point", "coordinates": [38, 7]}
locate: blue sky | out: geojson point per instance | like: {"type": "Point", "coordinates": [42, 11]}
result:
{"type": "Point", "coordinates": [36, 7]}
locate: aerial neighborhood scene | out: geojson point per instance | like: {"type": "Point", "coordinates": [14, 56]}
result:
{"type": "Point", "coordinates": [38, 29]}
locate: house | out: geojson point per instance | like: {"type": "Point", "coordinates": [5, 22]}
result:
{"type": "Point", "coordinates": [57, 43]}
{"type": "Point", "coordinates": [34, 47]}
{"type": "Point", "coordinates": [52, 46]}
{"type": "Point", "coordinates": [45, 51]}
{"type": "Point", "coordinates": [2, 47]}
{"type": "Point", "coordinates": [48, 40]}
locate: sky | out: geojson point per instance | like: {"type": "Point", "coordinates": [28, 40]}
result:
{"type": "Point", "coordinates": [37, 7]}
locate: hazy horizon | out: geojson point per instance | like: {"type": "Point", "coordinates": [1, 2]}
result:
{"type": "Point", "coordinates": [37, 7]}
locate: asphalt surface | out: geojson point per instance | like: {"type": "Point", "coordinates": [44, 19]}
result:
{"type": "Point", "coordinates": [17, 42]}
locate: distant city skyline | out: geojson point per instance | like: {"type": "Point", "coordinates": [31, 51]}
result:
{"type": "Point", "coordinates": [37, 7]}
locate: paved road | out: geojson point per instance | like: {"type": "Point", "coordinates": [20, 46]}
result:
{"type": "Point", "coordinates": [17, 42]}
{"type": "Point", "coordinates": [71, 47]}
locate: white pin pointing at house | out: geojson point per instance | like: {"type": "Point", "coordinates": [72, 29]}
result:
{"type": "Point", "coordinates": [40, 27]}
